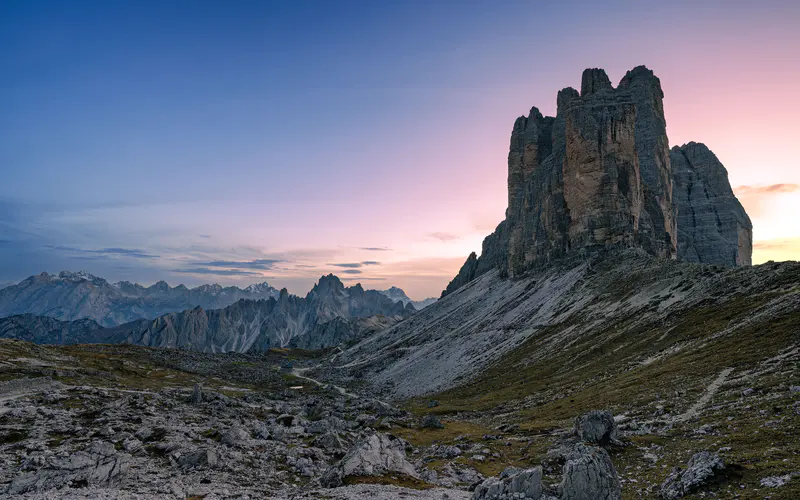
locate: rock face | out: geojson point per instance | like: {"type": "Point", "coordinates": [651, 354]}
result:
{"type": "Point", "coordinates": [598, 175]}
{"type": "Point", "coordinates": [589, 475]}
{"type": "Point", "coordinates": [712, 225]}
{"type": "Point", "coordinates": [701, 468]}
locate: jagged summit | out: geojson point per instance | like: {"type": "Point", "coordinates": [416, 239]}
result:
{"type": "Point", "coordinates": [599, 176]}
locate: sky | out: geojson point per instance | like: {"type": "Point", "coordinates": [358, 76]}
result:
{"type": "Point", "coordinates": [247, 141]}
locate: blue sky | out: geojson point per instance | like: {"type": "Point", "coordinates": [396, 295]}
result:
{"type": "Point", "coordinates": [144, 140]}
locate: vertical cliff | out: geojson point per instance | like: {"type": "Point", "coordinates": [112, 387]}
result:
{"type": "Point", "coordinates": [712, 225]}
{"type": "Point", "coordinates": [599, 175]}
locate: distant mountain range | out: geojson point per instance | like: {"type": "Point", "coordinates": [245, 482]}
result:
{"type": "Point", "coordinates": [70, 296]}
{"type": "Point", "coordinates": [398, 295]}
{"type": "Point", "coordinates": [328, 315]}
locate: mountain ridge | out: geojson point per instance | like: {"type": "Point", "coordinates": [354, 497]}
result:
{"type": "Point", "coordinates": [328, 315]}
{"type": "Point", "coordinates": [69, 296]}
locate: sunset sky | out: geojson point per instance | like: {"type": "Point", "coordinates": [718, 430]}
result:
{"type": "Point", "coordinates": [242, 141]}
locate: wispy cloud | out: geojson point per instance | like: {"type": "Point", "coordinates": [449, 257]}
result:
{"type": "Point", "coordinates": [375, 249]}
{"type": "Point", "coordinates": [360, 278]}
{"type": "Point", "coordinates": [351, 271]}
{"type": "Point", "coordinates": [769, 189]}
{"type": "Point", "coordinates": [774, 244]}
{"type": "Point", "coordinates": [443, 236]}
{"type": "Point", "coordinates": [126, 252]}
{"type": "Point", "coordinates": [262, 264]}
{"type": "Point", "coordinates": [356, 265]}
{"type": "Point", "coordinates": [216, 272]}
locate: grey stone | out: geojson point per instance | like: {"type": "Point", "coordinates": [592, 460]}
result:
{"type": "Point", "coordinates": [516, 484]}
{"type": "Point", "coordinates": [375, 455]}
{"type": "Point", "coordinates": [100, 464]}
{"type": "Point", "coordinates": [235, 436]}
{"type": "Point", "coordinates": [589, 474]}
{"type": "Point", "coordinates": [702, 467]}
{"type": "Point", "coordinates": [202, 457]}
{"type": "Point", "coordinates": [197, 395]}
{"type": "Point", "coordinates": [432, 422]}
{"type": "Point", "coordinates": [597, 427]}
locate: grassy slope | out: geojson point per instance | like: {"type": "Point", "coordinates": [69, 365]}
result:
{"type": "Point", "coordinates": [647, 368]}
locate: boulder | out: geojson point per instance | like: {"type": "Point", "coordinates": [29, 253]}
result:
{"type": "Point", "coordinates": [597, 427]}
{"type": "Point", "coordinates": [201, 457]}
{"type": "Point", "coordinates": [432, 422]}
{"type": "Point", "coordinates": [516, 484]}
{"type": "Point", "coordinates": [700, 470]}
{"type": "Point", "coordinates": [197, 395]}
{"type": "Point", "coordinates": [376, 455]}
{"type": "Point", "coordinates": [235, 436]}
{"type": "Point", "coordinates": [330, 442]}
{"type": "Point", "coordinates": [589, 475]}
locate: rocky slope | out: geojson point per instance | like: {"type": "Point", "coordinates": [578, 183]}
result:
{"type": "Point", "coordinates": [46, 330]}
{"type": "Point", "coordinates": [600, 175]}
{"type": "Point", "coordinates": [70, 296]}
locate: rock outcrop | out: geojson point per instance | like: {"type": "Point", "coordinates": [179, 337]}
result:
{"type": "Point", "coordinates": [599, 176]}
{"type": "Point", "coordinates": [713, 227]}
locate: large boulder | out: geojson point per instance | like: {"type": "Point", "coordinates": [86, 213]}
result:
{"type": "Point", "coordinates": [432, 422]}
{"type": "Point", "coordinates": [701, 469]}
{"type": "Point", "coordinates": [589, 475]}
{"type": "Point", "coordinates": [514, 485]}
{"type": "Point", "coordinates": [597, 427]}
{"type": "Point", "coordinates": [100, 464]}
{"type": "Point", "coordinates": [374, 456]}
{"type": "Point", "coordinates": [201, 457]}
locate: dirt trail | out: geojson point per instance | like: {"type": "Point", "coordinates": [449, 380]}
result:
{"type": "Point", "coordinates": [712, 389]}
